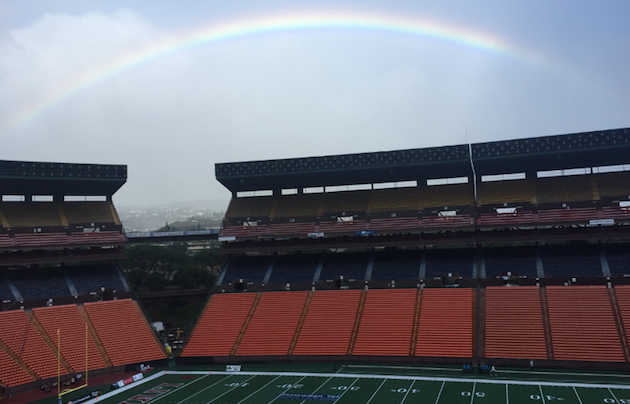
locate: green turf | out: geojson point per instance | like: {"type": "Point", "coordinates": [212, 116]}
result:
{"type": "Point", "coordinates": [363, 385]}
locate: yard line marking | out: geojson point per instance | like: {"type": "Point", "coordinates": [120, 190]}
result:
{"type": "Point", "coordinates": [174, 390]}
{"type": "Point", "coordinates": [320, 386]}
{"type": "Point", "coordinates": [472, 396]}
{"type": "Point", "coordinates": [542, 395]}
{"type": "Point", "coordinates": [379, 387]}
{"type": "Point", "coordinates": [276, 378]}
{"type": "Point", "coordinates": [287, 389]}
{"type": "Point", "coordinates": [507, 396]}
{"type": "Point", "coordinates": [212, 385]}
{"type": "Point", "coordinates": [346, 390]}
{"type": "Point", "coordinates": [408, 390]}
{"type": "Point", "coordinates": [577, 395]}
{"type": "Point", "coordinates": [440, 393]}
{"type": "Point", "coordinates": [614, 396]}
{"type": "Point", "coordinates": [230, 390]}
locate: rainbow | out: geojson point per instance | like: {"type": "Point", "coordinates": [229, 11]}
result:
{"type": "Point", "coordinates": [273, 24]}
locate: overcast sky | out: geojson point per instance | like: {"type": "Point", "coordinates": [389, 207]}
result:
{"type": "Point", "coordinates": [170, 88]}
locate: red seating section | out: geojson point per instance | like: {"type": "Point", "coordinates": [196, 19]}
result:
{"type": "Point", "coordinates": [445, 327]}
{"type": "Point", "coordinates": [386, 323]}
{"type": "Point", "coordinates": [123, 332]}
{"type": "Point", "coordinates": [39, 239]}
{"type": "Point", "coordinates": [273, 325]}
{"type": "Point", "coordinates": [623, 299]}
{"type": "Point", "coordinates": [328, 326]}
{"type": "Point", "coordinates": [220, 326]}
{"type": "Point", "coordinates": [72, 332]}
{"type": "Point", "coordinates": [342, 227]}
{"type": "Point", "coordinates": [17, 332]}
{"type": "Point", "coordinates": [98, 237]}
{"type": "Point", "coordinates": [582, 324]}
{"type": "Point", "coordinates": [514, 323]}
{"type": "Point", "coordinates": [11, 374]}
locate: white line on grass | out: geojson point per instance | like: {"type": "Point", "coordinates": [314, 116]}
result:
{"type": "Point", "coordinates": [201, 391]}
{"type": "Point", "coordinates": [320, 386]}
{"type": "Point", "coordinates": [230, 390]}
{"type": "Point", "coordinates": [407, 393]}
{"type": "Point", "coordinates": [542, 395]}
{"type": "Point", "coordinates": [440, 393]}
{"type": "Point", "coordinates": [507, 395]}
{"type": "Point", "coordinates": [379, 387]}
{"type": "Point", "coordinates": [276, 378]}
{"type": "Point", "coordinates": [577, 395]}
{"type": "Point", "coordinates": [287, 389]}
{"type": "Point", "coordinates": [346, 390]}
{"type": "Point", "coordinates": [613, 394]}
{"type": "Point", "coordinates": [472, 396]}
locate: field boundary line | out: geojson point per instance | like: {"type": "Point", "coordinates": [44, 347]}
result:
{"type": "Point", "coordinates": [127, 387]}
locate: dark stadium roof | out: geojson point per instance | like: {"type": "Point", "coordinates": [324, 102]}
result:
{"type": "Point", "coordinates": [577, 150]}
{"type": "Point", "coordinates": [22, 177]}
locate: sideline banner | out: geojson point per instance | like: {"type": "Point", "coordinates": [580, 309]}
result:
{"type": "Point", "coordinates": [233, 368]}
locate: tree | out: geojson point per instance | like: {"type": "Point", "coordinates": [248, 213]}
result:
{"type": "Point", "coordinates": [191, 277]}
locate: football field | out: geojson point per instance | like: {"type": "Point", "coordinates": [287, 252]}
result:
{"type": "Point", "coordinates": [219, 387]}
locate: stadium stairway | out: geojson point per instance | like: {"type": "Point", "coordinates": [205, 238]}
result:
{"type": "Point", "coordinates": [12, 370]}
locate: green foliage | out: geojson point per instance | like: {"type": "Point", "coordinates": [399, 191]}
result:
{"type": "Point", "coordinates": [156, 282]}
{"type": "Point", "coordinates": [210, 258]}
{"type": "Point", "coordinates": [192, 277]}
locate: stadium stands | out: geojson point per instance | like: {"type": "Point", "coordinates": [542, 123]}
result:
{"type": "Point", "coordinates": [124, 332]}
{"type": "Point", "coordinates": [351, 265]}
{"type": "Point", "coordinates": [72, 332]}
{"type": "Point", "coordinates": [273, 325]}
{"type": "Point", "coordinates": [386, 323]}
{"type": "Point", "coordinates": [329, 323]}
{"type": "Point", "coordinates": [514, 323]}
{"type": "Point", "coordinates": [445, 327]}
{"type": "Point", "coordinates": [392, 265]}
{"type": "Point", "coordinates": [11, 374]}
{"type": "Point", "coordinates": [582, 324]}
{"type": "Point", "coordinates": [220, 325]}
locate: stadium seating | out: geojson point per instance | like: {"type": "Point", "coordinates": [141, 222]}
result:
{"type": "Point", "coordinates": [342, 227]}
{"type": "Point", "coordinates": [89, 278]}
{"type": "Point", "coordinates": [220, 325]}
{"type": "Point", "coordinates": [39, 214]}
{"type": "Point", "coordinates": [394, 200]}
{"type": "Point", "coordinates": [346, 202]}
{"type": "Point", "coordinates": [98, 237]}
{"type": "Point", "coordinates": [41, 239]}
{"type": "Point", "coordinates": [298, 206]}
{"type": "Point", "coordinates": [564, 189]}
{"type": "Point", "coordinates": [50, 282]}
{"type": "Point", "coordinates": [618, 258]}
{"type": "Point", "coordinates": [250, 207]}
{"type": "Point", "coordinates": [390, 225]}
{"type": "Point", "coordinates": [500, 192]}
{"type": "Point", "coordinates": [273, 325]}
{"type": "Point", "coordinates": [11, 374]}
{"type": "Point", "coordinates": [571, 261]}
{"type": "Point", "coordinates": [72, 330]}
{"type": "Point", "coordinates": [613, 184]}
{"type": "Point", "coordinates": [439, 196]}
{"type": "Point", "coordinates": [582, 324]}
{"type": "Point", "coordinates": [291, 229]}
{"type": "Point", "coordinates": [445, 326]}
{"type": "Point", "coordinates": [514, 323]}
{"type": "Point", "coordinates": [90, 212]}
{"type": "Point", "coordinates": [510, 259]}
{"type": "Point", "coordinates": [294, 268]}
{"type": "Point", "coordinates": [386, 323]}
{"type": "Point", "coordinates": [449, 261]}
{"type": "Point", "coordinates": [396, 265]}
{"type": "Point", "coordinates": [253, 268]}
{"type": "Point", "coordinates": [352, 265]}
{"type": "Point", "coordinates": [622, 292]}
{"type": "Point", "coordinates": [124, 332]}
{"type": "Point", "coordinates": [329, 323]}
{"type": "Point", "coordinates": [23, 339]}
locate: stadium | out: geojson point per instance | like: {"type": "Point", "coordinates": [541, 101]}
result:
{"type": "Point", "coordinates": [500, 254]}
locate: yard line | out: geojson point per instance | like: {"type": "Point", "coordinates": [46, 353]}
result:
{"type": "Point", "coordinates": [379, 387]}
{"type": "Point", "coordinates": [277, 377]}
{"type": "Point", "coordinates": [507, 396]}
{"type": "Point", "coordinates": [440, 393]}
{"type": "Point", "coordinates": [174, 390]}
{"type": "Point", "coordinates": [613, 394]}
{"type": "Point", "coordinates": [212, 385]}
{"type": "Point", "coordinates": [408, 390]}
{"type": "Point", "coordinates": [577, 395]}
{"type": "Point", "coordinates": [230, 390]}
{"type": "Point", "coordinates": [346, 390]}
{"type": "Point", "coordinates": [542, 395]}
{"type": "Point", "coordinates": [320, 386]}
{"type": "Point", "coordinates": [293, 384]}
{"type": "Point", "coordinates": [472, 396]}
